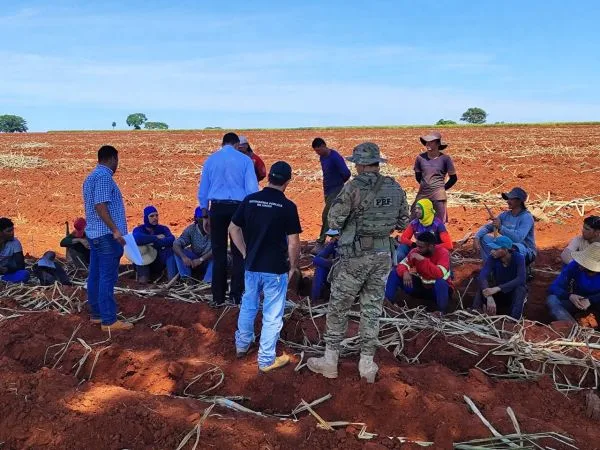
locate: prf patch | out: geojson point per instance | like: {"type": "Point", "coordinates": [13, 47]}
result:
{"type": "Point", "coordinates": [383, 201]}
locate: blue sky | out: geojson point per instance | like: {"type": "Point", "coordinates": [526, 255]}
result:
{"type": "Point", "coordinates": [234, 64]}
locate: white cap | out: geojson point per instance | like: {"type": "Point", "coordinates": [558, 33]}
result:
{"type": "Point", "coordinates": [243, 140]}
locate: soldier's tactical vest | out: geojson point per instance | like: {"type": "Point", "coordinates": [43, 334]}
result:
{"type": "Point", "coordinates": [369, 228]}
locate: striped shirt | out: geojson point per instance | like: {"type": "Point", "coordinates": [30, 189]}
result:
{"type": "Point", "coordinates": [99, 187]}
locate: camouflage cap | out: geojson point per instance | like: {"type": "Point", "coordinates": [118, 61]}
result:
{"type": "Point", "coordinates": [366, 153]}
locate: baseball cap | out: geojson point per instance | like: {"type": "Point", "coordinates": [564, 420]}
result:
{"type": "Point", "coordinates": [501, 242]}
{"type": "Point", "coordinates": [332, 232]}
{"type": "Point", "coordinates": [515, 193]}
{"type": "Point", "coordinates": [243, 140]}
{"type": "Point", "coordinates": [281, 171]}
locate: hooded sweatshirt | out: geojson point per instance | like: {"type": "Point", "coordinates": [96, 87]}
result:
{"type": "Point", "coordinates": [147, 234]}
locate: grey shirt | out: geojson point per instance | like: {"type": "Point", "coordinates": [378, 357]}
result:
{"type": "Point", "coordinates": [8, 251]}
{"type": "Point", "coordinates": [196, 239]}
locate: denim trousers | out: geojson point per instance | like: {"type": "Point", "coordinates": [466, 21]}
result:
{"type": "Point", "coordinates": [105, 254]}
{"type": "Point", "coordinates": [274, 288]}
{"type": "Point", "coordinates": [186, 272]}
{"type": "Point", "coordinates": [514, 300]}
{"type": "Point", "coordinates": [164, 260]}
{"type": "Point", "coordinates": [438, 291]}
{"type": "Point", "coordinates": [561, 309]}
{"type": "Point", "coordinates": [19, 276]}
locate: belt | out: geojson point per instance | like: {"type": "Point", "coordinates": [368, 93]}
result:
{"type": "Point", "coordinates": [225, 202]}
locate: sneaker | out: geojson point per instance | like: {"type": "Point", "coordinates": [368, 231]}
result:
{"type": "Point", "coordinates": [279, 362]}
{"type": "Point", "coordinates": [118, 326]}
{"type": "Point", "coordinates": [241, 353]}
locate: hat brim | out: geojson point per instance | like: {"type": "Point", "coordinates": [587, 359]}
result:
{"type": "Point", "coordinates": [425, 139]}
{"type": "Point", "coordinates": [506, 196]}
{"type": "Point", "coordinates": [365, 162]}
{"type": "Point", "coordinates": [149, 254]}
{"type": "Point", "coordinates": [583, 260]}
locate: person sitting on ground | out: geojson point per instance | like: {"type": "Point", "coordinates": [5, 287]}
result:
{"type": "Point", "coordinates": [425, 221]}
{"type": "Point", "coordinates": [50, 271]}
{"type": "Point", "coordinates": [517, 224]}
{"type": "Point", "coordinates": [12, 260]}
{"type": "Point", "coordinates": [259, 166]}
{"type": "Point", "coordinates": [589, 234]}
{"type": "Point", "coordinates": [161, 239]}
{"type": "Point", "coordinates": [77, 245]}
{"type": "Point", "coordinates": [323, 262]}
{"type": "Point", "coordinates": [502, 280]}
{"type": "Point", "coordinates": [424, 273]}
{"type": "Point", "coordinates": [193, 253]}
{"type": "Point", "coordinates": [577, 288]}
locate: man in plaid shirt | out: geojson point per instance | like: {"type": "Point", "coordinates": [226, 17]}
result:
{"type": "Point", "coordinates": [106, 226]}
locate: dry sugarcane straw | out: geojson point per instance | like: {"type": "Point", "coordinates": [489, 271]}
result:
{"type": "Point", "coordinates": [196, 430]}
{"type": "Point", "coordinates": [484, 337]}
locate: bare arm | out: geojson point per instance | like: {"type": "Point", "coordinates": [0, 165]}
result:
{"type": "Point", "coordinates": [294, 250]}
{"type": "Point", "coordinates": [238, 238]}
{"type": "Point", "coordinates": [177, 249]}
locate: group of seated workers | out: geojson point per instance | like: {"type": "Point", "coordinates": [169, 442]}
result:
{"type": "Point", "coordinates": [190, 255]}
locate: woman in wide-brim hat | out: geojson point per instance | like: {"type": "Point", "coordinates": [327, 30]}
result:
{"type": "Point", "coordinates": [431, 169]}
{"type": "Point", "coordinates": [577, 288]}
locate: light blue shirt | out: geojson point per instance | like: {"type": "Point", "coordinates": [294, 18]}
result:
{"type": "Point", "coordinates": [519, 228]}
{"type": "Point", "coordinates": [227, 175]}
{"type": "Point", "coordinates": [99, 187]}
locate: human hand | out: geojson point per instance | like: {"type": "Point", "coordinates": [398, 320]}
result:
{"type": "Point", "coordinates": [160, 236]}
{"type": "Point", "coordinates": [476, 245]}
{"type": "Point", "coordinates": [197, 262]}
{"type": "Point", "coordinates": [577, 300]}
{"type": "Point", "coordinates": [407, 280]}
{"type": "Point", "coordinates": [496, 223]}
{"type": "Point", "coordinates": [585, 303]}
{"type": "Point", "coordinates": [490, 307]}
{"type": "Point", "coordinates": [206, 225]}
{"type": "Point", "coordinates": [417, 256]}
{"type": "Point", "coordinates": [187, 261]}
{"type": "Point", "coordinates": [118, 237]}
{"type": "Point", "coordinates": [488, 292]}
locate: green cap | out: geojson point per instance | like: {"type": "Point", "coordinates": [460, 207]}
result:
{"type": "Point", "coordinates": [366, 153]}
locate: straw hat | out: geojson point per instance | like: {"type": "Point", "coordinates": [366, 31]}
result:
{"type": "Point", "coordinates": [589, 258]}
{"type": "Point", "coordinates": [149, 254]}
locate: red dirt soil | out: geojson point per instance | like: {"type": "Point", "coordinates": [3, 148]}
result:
{"type": "Point", "coordinates": [134, 398]}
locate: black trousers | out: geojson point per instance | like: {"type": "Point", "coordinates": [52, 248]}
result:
{"type": "Point", "coordinates": [220, 218]}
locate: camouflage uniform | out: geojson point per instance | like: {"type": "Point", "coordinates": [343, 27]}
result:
{"type": "Point", "coordinates": [365, 249]}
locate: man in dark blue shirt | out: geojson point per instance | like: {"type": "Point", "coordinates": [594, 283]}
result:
{"type": "Point", "coordinates": [502, 279]}
{"type": "Point", "coordinates": [335, 174]}
{"type": "Point", "coordinates": [265, 229]}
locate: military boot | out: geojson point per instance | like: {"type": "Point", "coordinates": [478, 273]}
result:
{"type": "Point", "coordinates": [327, 365]}
{"type": "Point", "coordinates": [367, 368]}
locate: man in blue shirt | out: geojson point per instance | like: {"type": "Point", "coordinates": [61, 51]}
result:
{"type": "Point", "coordinates": [577, 288]}
{"type": "Point", "coordinates": [227, 178]}
{"type": "Point", "coordinates": [335, 174]}
{"type": "Point", "coordinates": [517, 224]}
{"type": "Point", "coordinates": [106, 226]}
{"type": "Point", "coordinates": [502, 280]}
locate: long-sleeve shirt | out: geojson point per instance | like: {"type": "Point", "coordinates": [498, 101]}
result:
{"type": "Point", "coordinates": [577, 244]}
{"type": "Point", "coordinates": [519, 228]}
{"type": "Point", "coordinates": [227, 175]}
{"type": "Point", "coordinates": [573, 279]}
{"type": "Point", "coordinates": [506, 278]}
{"type": "Point", "coordinates": [144, 236]}
{"type": "Point", "coordinates": [326, 256]}
{"type": "Point", "coordinates": [431, 268]}
{"type": "Point", "coordinates": [437, 228]}
{"type": "Point", "coordinates": [335, 172]}
{"type": "Point", "coordinates": [196, 239]}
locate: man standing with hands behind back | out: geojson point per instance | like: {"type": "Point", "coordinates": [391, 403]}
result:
{"type": "Point", "coordinates": [266, 230]}
{"type": "Point", "coordinates": [227, 178]}
{"type": "Point", "coordinates": [105, 228]}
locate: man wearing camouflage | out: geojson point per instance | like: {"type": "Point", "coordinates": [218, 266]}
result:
{"type": "Point", "coordinates": [366, 211]}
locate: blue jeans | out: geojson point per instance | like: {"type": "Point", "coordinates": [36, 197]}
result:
{"type": "Point", "coordinates": [439, 291]}
{"type": "Point", "coordinates": [561, 309]}
{"type": "Point", "coordinates": [20, 276]}
{"type": "Point", "coordinates": [319, 280]}
{"type": "Point", "coordinates": [186, 272]}
{"type": "Point", "coordinates": [515, 299]}
{"type": "Point", "coordinates": [164, 259]}
{"type": "Point", "coordinates": [105, 254]}
{"type": "Point", "coordinates": [274, 288]}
